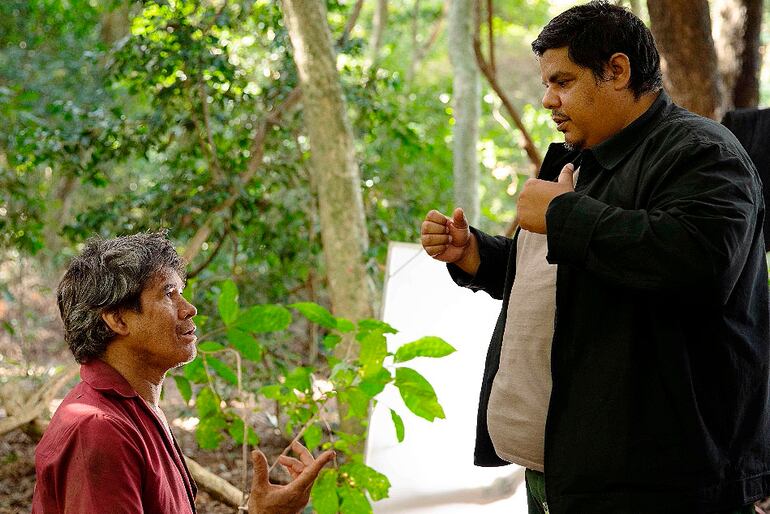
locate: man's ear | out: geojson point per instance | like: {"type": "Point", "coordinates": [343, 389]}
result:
{"type": "Point", "coordinates": [619, 70]}
{"type": "Point", "coordinates": [114, 320]}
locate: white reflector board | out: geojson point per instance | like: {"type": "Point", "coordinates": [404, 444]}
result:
{"type": "Point", "coordinates": [432, 471]}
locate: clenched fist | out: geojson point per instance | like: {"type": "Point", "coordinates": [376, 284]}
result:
{"type": "Point", "coordinates": [450, 240]}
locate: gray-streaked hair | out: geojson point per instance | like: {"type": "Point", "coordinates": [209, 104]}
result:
{"type": "Point", "coordinates": [109, 275]}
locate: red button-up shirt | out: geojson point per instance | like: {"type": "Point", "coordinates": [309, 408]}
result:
{"type": "Point", "coordinates": [106, 451]}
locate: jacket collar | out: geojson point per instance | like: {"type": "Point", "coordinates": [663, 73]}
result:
{"type": "Point", "coordinates": [611, 152]}
{"type": "Point", "coordinates": [103, 377]}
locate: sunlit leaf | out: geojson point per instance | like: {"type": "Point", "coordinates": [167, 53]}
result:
{"type": "Point", "coordinates": [398, 423]}
{"type": "Point", "coordinates": [424, 347]}
{"type": "Point", "coordinates": [315, 313]}
{"type": "Point", "coordinates": [418, 395]}
{"type": "Point", "coordinates": [264, 318]}
{"type": "Point", "coordinates": [324, 493]}
{"type": "Point", "coordinates": [184, 387]}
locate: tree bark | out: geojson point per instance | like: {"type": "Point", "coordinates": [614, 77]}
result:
{"type": "Point", "coordinates": [333, 161]}
{"type": "Point", "coordinates": [467, 107]}
{"type": "Point", "coordinates": [736, 35]}
{"type": "Point", "coordinates": [334, 169]}
{"type": "Point", "coordinates": [682, 30]}
{"type": "Point", "coordinates": [379, 22]}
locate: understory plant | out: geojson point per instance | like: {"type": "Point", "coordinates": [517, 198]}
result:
{"type": "Point", "coordinates": [305, 394]}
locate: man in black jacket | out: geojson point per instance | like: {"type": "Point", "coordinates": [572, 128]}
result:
{"type": "Point", "coordinates": [629, 370]}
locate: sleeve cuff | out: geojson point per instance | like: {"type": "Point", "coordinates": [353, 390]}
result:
{"type": "Point", "coordinates": [486, 273]}
{"type": "Point", "coordinates": [570, 220]}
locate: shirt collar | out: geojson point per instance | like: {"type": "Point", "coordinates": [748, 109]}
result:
{"type": "Point", "coordinates": [609, 153]}
{"type": "Point", "coordinates": [103, 377]}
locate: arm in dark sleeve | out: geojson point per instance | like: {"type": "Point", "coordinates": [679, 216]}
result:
{"type": "Point", "coordinates": [490, 277]}
{"type": "Point", "coordinates": [695, 233]}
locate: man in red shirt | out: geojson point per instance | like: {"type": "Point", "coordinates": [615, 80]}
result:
{"type": "Point", "coordinates": [109, 447]}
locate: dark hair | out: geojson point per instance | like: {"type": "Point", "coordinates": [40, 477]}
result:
{"type": "Point", "coordinates": [109, 275]}
{"type": "Point", "coordinates": [596, 30]}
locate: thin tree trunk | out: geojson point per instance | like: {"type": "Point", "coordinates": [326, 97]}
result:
{"type": "Point", "coordinates": [467, 107]}
{"type": "Point", "coordinates": [379, 22]}
{"type": "Point", "coordinates": [335, 170]}
{"type": "Point", "coordinates": [736, 35]}
{"type": "Point", "coordinates": [682, 30]}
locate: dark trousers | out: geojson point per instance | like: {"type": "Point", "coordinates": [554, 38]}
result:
{"type": "Point", "coordinates": [536, 503]}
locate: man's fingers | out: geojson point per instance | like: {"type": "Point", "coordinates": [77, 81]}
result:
{"type": "Point", "coordinates": [431, 227]}
{"type": "Point", "coordinates": [436, 217]}
{"type": "Point", "coordinates": [260, 482]}
{"type": "Point", "coordinates": [565, 177]}
{"type": "Point", "coordinates": [458, 219]}
{"type": "Point", "coordinates": [294, 466]}
{"type": "Point", "coordinates": [435, 250]}
{"type": "Point", "coordinates": [304, 454]}
{"type": "Point", "coordinates": [435, 239]}
{"type": "Point", "coordinates": [309, 474]}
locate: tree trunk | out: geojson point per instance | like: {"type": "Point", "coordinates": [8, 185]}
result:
{"type": "Point", "coordinates": [116, 23]}
{"type": "Point", "coordinates": [736, 34]}
{"type": "Point", "coordinates": [467, 107]}
{"type": "Point", "coordinates": [379, 22]}
{"type": "Point", "coordinates": [334, 168]}
{"type": "Point", "coordinates": [682, 30]}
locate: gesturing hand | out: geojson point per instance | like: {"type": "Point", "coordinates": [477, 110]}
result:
{"type": "Point", "coordinates": [267, 498]}
{"type": "Point", "coordinates": [443, 238]}
{"type": "Point", "coordinates": [537, 195]}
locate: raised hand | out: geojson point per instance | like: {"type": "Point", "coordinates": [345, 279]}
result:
{"type": "Point", "coordinates": [267, 498]}
{"type": "Point", "coordinates": [450, 239]}
{"type": "Point", "coordinates": [537, 195]}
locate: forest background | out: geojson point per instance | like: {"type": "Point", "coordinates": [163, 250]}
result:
{"type": "Point", "coordinates": [283, 145]}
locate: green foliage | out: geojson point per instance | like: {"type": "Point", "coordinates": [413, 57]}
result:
{"type": "Point", "coordinates": [418, 395]}
{"type": "Point", "coordinates": [302, 391]}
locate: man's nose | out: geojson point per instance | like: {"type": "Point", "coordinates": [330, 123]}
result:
{"type": "Point", "coordinates": [550, 100]}
{"type": "Point", "coordinates": [187, 310]}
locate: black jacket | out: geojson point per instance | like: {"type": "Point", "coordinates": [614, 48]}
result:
{"type": "Point", "coordinates": [660, 357]}
{"type": "Point", "coordinates": [752, 128]}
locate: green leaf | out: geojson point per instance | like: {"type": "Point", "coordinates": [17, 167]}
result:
{"type": "Point", "coordinates": [418, 395]}
{"type": "Point", "coordinates": [223, 370]}
{"type": "Point", "coordinates": [331, 341]}
{"type": "Point", "coordinates": [208, 433]}
{"type": "Point", "coordinates": [316, 314]}
{"type": "Point", "coordinates": [264, 318]}
{"type": "Point", "coordinates": [357, 402]}
{"type": "Point", "coordinates": [424, 347]}
{"type": "Point", "coordinates": [353, 501]}
{"type": "Point", "coordinates": [210, 346]}
{"type": "Point", "coordinates": [248, 346]}
{"type": "Point", "coordinates": [228, 301]}
{"type": "Point", "coordinates": [374, 325]}
{"type": "Point", "coordinates": [374, 384]}
{"type": "Point", "coordinates": [374, 348]}
{"type": "Point", "coordinates": [398, 423]}
{"type": "Point", "coordinates": [236, 432]}
{"type": "Point", "coordinates": [313, 436]}
{"type": "Point", "coordinates": [324, 493]}
{"type": "Point", "coordinates": [344, 325]}
{"type": "Point", "coordinates": [368, 478]}
{"type": "Point", "coordinates": [9, 328]}
{"type": "Point", "coordinates": [299, 379]}
{"type": "Point", "coordinates": [194, 371]}
{"type": "Point", "coordinates": [273, 391]}
{"type": "Point", "coordinates": [184, 387]}
{"type": "Point", "coordinates": [207, 403]}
